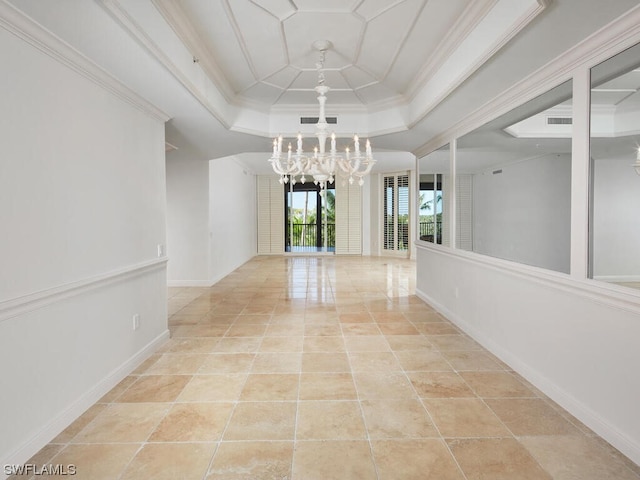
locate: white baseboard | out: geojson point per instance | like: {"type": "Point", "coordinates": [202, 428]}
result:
{"type": "Point", "coordinates": [590, 418]}
{"type": "Point", "coordinates": [189, 283]}
{"type": "Point", "coordinates": [617, 278]}
{"type": "Point", "coordinates": [49, 431]}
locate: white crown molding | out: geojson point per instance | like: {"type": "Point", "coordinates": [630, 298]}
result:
{"type": "Point", "coordinates": [465, 24]}
{"type": "Point", "coordinates": [34, 301]}
{"type": "Point", "coordinates": [138, 34]}
{"type": "Point", "coordinates": [180, 24]}
{"type": "Point", "coordinates": [624, 32]}
{"type": "Point", "coordinates": [25, 28]}
{"type": "Point", "coordinates": [454, 83]}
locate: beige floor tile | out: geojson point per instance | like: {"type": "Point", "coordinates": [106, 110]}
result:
{"type": "Point", "coordinates": [497, 459]}
{"type": "Point", "coordinates": [360, 329]}
{"type": "Point", "coordinates": [238, 345]}
{"type": "Point", "coordinates": [82, 421]}
{"type": "Point", "coordinates": [374, 362]}
{"type": "Point", "coordinates": [246, 330]}
{"type": "Point", "coordinates": [336, 420]}
{"type": "Point", "coordinates": [327, 386]}
{"type": "Point", "coordinates": [119, 389]}
{"type": "Point", "coordinates": [270, 387]}
{"type": "Point", "coordinates": [355, 318]}
{"type": "Point", "coordinates": [323, 460]}
{"type": "Point", "coordinates": [325, 362]}
{"type": "Point", "coordinates": [193, 345]}
{"type": "Point", "coordinates": [530, 416]}
{"type": "Point", "coordinates": [436, 328]}
{"type": "Point", "coordinates": [473, 361]}
{"type": "Point", "coordinates": [170, 461]}
{"type": "Point", "coordinates": [144, 366]}
{"type": "Point", "coordinates": [415, 460]}
{"type": "Point", "coordinates": [404, 328]}
{"type": "Point", "coordinates": [324, 330]}
{"type": "Point", "coordinates": [177, 363]}
{"type": "Point", "coordinates": [440, 385]}
{"type": "Point", "coordinates": [97, 462]}
{"type": "Point", "coordinates": [193, 422]}
{"type": "Point", "coordinates": [366, 343]}
{"type": "Point", "coordinates": [496, 384]}
{"type": "Point", "coordinates": [281, 344]}
{"type": "Point", "coordinates": [464, 417]}
{"type": "Point", "coordinates": [155, 388]}
{"type": "Point", "coordinates": [123, 422]}
{"type": "Point", "coordinates": [252, 460]}
{"type": "Point", "coordinates": [422, 360]}
{"type": "Point", "coordinates": [44, 456]}
{"type": "Point", "coordinates": [277, 363]}
{"type": "Point", "coordinates": [576, 457]}
{"type": "Point", "coordinates": [383, 385]}
{"type": "Point", "coordinates": [262, 421]}
{"type": "Point", "coordinates": [404, 418]}
{"type": "Point", "coordinates": [227, 363]}
{"type": "Point", "coordinates": [213, 388]}
{"type": "Point", "coordinates": [320, 371]}
{"type": "Point", "coordinates": [456, 342]}
{"type": "Point", "coordinates": [323, 344]}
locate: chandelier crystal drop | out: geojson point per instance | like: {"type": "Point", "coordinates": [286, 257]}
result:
{"type": "Point", "coordinates": [321, 166]}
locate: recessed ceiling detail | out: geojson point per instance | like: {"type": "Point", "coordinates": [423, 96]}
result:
{"type": "Point", "coordinates": [406, 55]}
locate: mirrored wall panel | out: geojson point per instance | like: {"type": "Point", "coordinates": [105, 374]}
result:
{"type": "Point", "coordinates": [513, 184]}
{"type": "Point", "coordinates": [615, 167]}
{"type": "Point", "coordinates": [434, 199]}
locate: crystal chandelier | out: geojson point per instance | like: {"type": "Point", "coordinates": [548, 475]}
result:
{"type": "Point", "coordinates": [321, 166]}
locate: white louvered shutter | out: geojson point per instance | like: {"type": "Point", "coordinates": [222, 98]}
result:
{"type": "Point", "coordinates": [270, 215]}
{"type": "Point", "coordinates": [464, 212]}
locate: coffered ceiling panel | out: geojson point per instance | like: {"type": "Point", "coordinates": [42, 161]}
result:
{"type": "Point", "coordinates": [259, 36]}
{"type": "Point", "coordinates": [283, 78]}
{"type": "Point", "coordinates": [326, 5]}
{"type": "Point", "coordinates": [357, 77]}
{"type": "Point", "coordinates": [334, 79]}
{"type": "Point", "coordinates": [260, 92]}
{"type": "Point", "coordinates": [278, 8]}
{"type": "Point", "coordinates": [343, 30]}
{"type": "Point", "coordinates": [381, 44]}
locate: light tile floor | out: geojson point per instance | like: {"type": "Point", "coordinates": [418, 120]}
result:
{"type": "Point", "coordinates": [325, 368]}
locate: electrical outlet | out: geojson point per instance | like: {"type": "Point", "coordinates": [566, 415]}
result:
{"type": "Point", "coordinates": [136, 321]}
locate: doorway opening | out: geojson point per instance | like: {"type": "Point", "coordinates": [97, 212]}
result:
{"type": "Point", "coordinates": [310, 218]}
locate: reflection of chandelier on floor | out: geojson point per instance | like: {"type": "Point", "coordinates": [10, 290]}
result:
{"type": "Point", "coordinates": [321, 166]}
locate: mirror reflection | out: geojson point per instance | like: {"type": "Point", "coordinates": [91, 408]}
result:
{"type": "Point", "coordinates": [615, 138]}
{"type": "Point", "coordinates": [434, 197]}
{"type": "Point", "coordinates": [513, 184]}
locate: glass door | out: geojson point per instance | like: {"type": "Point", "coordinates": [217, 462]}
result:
{"type": "Point", "coordinates": [309, 218]}
{"type": "Point", "coordinates": [396, 213]}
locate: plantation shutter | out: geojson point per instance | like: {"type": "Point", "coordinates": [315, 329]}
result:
{"type": "Point", "coordinates": [464, 212]}
{"type": "Point", "coordinates": [348, 219]}
{"type": "Point", "coordinates": [270, 215]}
{"type": "Point", "coordinates": [446, 208]}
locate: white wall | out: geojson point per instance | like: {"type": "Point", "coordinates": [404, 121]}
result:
{"type": "Point", "coordinates": [187, 219]}
{"type": "Point", "coordinates": [83, 211]}
{"type": "Point", "coordinates": [569, 339]}
{"type": "Point", "coordinates": [523, 214]}
{"type": "Point", "coordinates": [232, 216]}
{"type": "Point", "coordinates": [616, 230]}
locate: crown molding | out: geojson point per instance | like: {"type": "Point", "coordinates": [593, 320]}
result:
{"type": "Point", "coordinates": [465, 24]}
{"type": "Point", "coordinates": [622, 33]}
{"type": "Point", "coordinates": [25, 28]}
{"type": "Point", "coordinates": [182, 27]}
{"type": "Point", "coordinates": [135, 30]}
{"type": "Point", "coordinates": [453, 84]}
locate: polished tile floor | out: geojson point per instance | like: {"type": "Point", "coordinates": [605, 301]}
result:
{"type": "Point", "coordinates": [325, 368]}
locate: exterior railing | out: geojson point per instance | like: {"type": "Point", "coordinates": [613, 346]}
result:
{"type": "Point", "coordinates": [306, 235]}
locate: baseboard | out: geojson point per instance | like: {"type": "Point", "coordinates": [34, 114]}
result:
{"type": "Point", "coordinates": [189, 283]}
{"type": "Point", "coordinates": [589, 417]}
{"type": "Point", "coordinates": [49, 431]}
{"type": "Point", "coordinates": [617, 278]}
